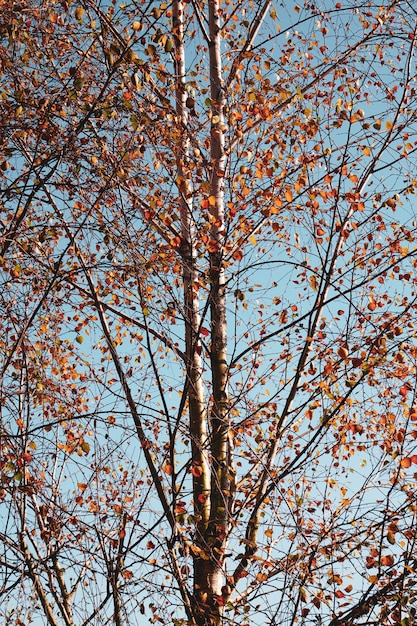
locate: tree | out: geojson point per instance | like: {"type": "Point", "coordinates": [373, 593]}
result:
{"type": "Point", "coordinates": [208, 348]}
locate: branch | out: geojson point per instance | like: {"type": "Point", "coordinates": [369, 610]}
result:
{"type": "Point", "coordinates": [256, 24]}
{"type": "Point", "coordinates": [367, 602]}
{"type": "Point", "coordinates": [157, 335]}
{"type": "Point", "coordinates": [52, 621]}
{"type": "Point", "coordinates": [108, 307]}
{"type": "Point", "coordinates": [146, 445]}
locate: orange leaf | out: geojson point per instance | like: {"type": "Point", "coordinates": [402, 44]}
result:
{"type": "Point", "coordinates": [387, 560]}
{"type": "Point", "coordinates": [404, 391]}
{"type": "Point", "coordinates": [175, 242]}
{"type": "Point", "coordinates": [406, 462]}
{"type": "Point", "coordinates": [261, 577]}
{"type": "Point", "coordinates": [283, 318]}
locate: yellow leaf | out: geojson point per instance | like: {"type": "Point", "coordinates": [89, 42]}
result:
{"type": "Point", "coordinates": [313, 282]}
{"type": "Point", "coordinates": [85, 447]}
{"type": "Point", "coordinates": [252, 240]}
{"type": "Point", "coordinates": [288, 195]}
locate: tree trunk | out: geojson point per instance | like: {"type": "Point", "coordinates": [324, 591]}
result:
{"type": "Point", "coordinates": [209, 572]}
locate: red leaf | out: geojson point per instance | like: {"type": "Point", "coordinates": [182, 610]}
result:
{"type": "Point", "coordinates": [196, 471]}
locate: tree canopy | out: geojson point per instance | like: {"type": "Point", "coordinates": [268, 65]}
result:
{"type": "Point", "coordinates": [208, 347]}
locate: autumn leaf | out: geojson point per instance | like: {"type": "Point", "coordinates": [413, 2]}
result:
{"type": "Point", "coordinates": [387, 560]}
{"type": "Point", "coordinates": [342, 352]}
{"type": "Point", "coordinates": [196, 471]}
{"type": "Point", "coordinates": [406, 462]}
{"type": "Point", "coordinates": [207, 314]}
{"type": "Point", "coordinates": [85, 447]}
{"type": "Point", "coordinates": [313, 282]}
